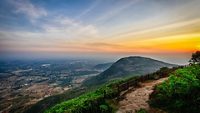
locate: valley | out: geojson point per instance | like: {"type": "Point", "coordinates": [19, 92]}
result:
{"type": "Point", "coordinates": [124, 87]}
{"type": "Point", "coordinates": [99, 56]}
{"type": "Point", "coordinates": [24, 83]}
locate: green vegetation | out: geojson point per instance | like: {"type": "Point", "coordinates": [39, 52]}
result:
{"type": "Point", "coordinates": [195, 58]}
{"type": "Point", "coordinates": [127, 66]}
{"type": "Point", "coordinates": [92, 102]}
{"type": "Point", "coordinates": [180, 93]}
{"type": "Point", "coordinates": [101, 99]}
{"type": "Point", "coordinates": [141, 111]}
{"type": "Point", "coordinates": [48, 102]}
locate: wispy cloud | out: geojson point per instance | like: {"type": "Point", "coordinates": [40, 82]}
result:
{"type": "Point", "coordinates": [69, 28]}
{"type": "Point", "coordinates": [191, 26]}
{"type": "Point", "coordinates": [27, 8]}
{"type": "Point", "coordinates": [103, 44]}
{"type": "Point", "coordinates": [114, 26]}
{"type": "Point", "coordinates": [60, 33]}
{"type": "Point", "coordinates": [89, 9]}
{"type": "Point", "coordinates": [113, 12]}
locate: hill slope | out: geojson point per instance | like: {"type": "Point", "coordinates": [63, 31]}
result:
{"type": "Point", "coordinates": [103, 66]}
{"type": "Point", "coordinates": [180, 93]}
{"type": "Point", "coordinates": [104, 98]}
{"type": "Point", "coordinates": [134, 65]}
{"type": "Point", "coordinates": [138, 99]}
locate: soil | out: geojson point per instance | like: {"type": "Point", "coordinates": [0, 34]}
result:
{"type": "Point", "coordinates": [138, 98]}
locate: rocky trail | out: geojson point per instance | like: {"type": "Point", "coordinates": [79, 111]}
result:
{"type": "Point", "coordinates": [137, 98]}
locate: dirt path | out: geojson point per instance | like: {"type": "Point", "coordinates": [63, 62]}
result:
{"type": "Point", "coordinates": [138, 98]}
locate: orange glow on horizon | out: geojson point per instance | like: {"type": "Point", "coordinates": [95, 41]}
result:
{"type": "Point", "coordinates": [174, 44]}
{"type": "Point", "coordinates": [179, 43]}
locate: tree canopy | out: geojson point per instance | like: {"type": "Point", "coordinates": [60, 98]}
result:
{"type": "Point", "coordinates": [195, 58]}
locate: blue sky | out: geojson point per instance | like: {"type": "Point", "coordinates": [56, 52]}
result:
{"type": "Point", "coordinates": [100, 27]}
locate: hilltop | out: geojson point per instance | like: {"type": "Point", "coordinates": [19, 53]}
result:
{"type": "Point", "coordinates": [104, 99]}
{"type": "Point", "coordinates": [133, 65]}
{"type": "Point", "coordinates": [123, 68]}
{"type": "Point", "coordinates": [178, 93]}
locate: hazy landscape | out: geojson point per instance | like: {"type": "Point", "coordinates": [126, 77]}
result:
{"type": "Point", "coordinates": [99, 56]}
{"type": "Point", "coordinates": [25, 82]}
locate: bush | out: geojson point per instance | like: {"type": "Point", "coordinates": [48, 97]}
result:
{"type": "Point", "coordinates": [104, 108]}
{"type": "Point", "coordinates": [180, 93]}
{"type": "Point", "coordinates": [141, 111]}
{"type": "Point", "coordinates": [91, 102]}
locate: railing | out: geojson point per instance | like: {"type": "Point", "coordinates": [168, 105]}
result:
{"type": "Point", "coordinates": [135, 82]}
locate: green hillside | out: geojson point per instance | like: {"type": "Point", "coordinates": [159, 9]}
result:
{"type": "Point", "coordinates": [103, 66]}
{"type": "Point", "coordinates": [124, 67]}
{"type": "Point", "coordinates": [180, 93]}
{"type": "Point", "coordinates": [130, 66]}
{"type": "Point", "coordinates": [101, 99]}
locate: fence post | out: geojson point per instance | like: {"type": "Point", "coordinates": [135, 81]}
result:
{"type": "Point", "coordinates": [104, 94]}
{"type": "Point", "coordinates": [118, 91]}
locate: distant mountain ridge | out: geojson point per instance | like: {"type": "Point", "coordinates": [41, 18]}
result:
{"type": "Point", "coordinates": [133, 65]}
{"type": "Point", "coordinates": [103, 66]}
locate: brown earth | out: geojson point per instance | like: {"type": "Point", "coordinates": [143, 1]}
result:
{"type": "Point", "coordinates": [137, 99]}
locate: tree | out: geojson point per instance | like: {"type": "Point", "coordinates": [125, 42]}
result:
{"type": "Point", "coordinates": [195, 58]}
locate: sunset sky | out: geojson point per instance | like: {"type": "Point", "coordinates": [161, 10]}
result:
{"type": "Point", "coordinates": [167, 30]}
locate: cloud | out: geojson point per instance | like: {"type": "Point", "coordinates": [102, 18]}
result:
{"type": "Point", "coordinates": [89, 9]}
{"type": "Point", "coordinates": [27, 8]}
{"type": "Point", "coordinates": [69, 28]}
{"type": "Point", "coordinates": [102, 44]}
{"type": "Point", "coordinates": [111, 13]}
{"type": "Point", "coordinates": [60, 33]}
{"type": "Point", "coordinates": [109, 47]}
{"type": "Point", "coordinates": [182, 27]}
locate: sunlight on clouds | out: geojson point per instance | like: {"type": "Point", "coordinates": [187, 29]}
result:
{"type": "Point", "coordinates": [177, 43]}
{"type": "Point", "coordinates": [115, 11]}
{"type": "Point", "coordinates": [65, 28]}
{"type": "Point", "coordinates": [122, 26]}
{"type": "Point", "coordinates": [198, 47]}
{"type": "Point", "coordinates": [182, 27]}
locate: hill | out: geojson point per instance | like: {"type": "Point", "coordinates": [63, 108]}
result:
{"type": "Point", "coordinates": [53, 100]}
{"type": "Point", "coordinates": [104, 99]}
{"type": "Point", "coordinates": [133, 65]}
{"type": "Point", "coordinates": [103, 66]}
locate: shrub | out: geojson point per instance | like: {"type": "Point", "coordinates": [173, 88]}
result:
{"type": "Point", "coordinates": [180, 93]}
{"type": "Point", "coordinates": [141, 111]}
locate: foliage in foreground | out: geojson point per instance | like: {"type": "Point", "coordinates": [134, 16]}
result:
{"type": "Point", "coordinates": [195, 58]}
{"type": "Point", "coordinates": [180, 93]}
{"type": "Point", "coordinates": [92, 102]}
{"type": "Point", "coordinates": [141, 111]}
{"type": "Point", "coordinates": [97, 101]}
{"type": "Point", "coordinates": [48, 102]}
